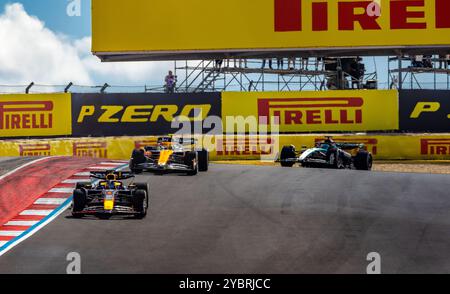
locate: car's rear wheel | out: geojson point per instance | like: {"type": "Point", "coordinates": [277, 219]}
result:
{"type": "Point", "coordinates": [82, 185]}
{"type": "Point", "coordinates": [79, 203]}
{"type": "Point", "coordinates": [203, 160]}
{"type": "Point", "coordinates": [138, 157]}
{"type": "Point", "coordinates": [363, 161]}
{"type": "Point", "coordinates": [140, 203]}
{"type": "Point", "coordinates": [288, 152]}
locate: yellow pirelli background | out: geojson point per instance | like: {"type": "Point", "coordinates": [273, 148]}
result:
{"type": "Point", "coordinates": [35, 115]}
{"type": "Point", "coordinates": [383, 147]}
{"type": "Point", "coordinates": [312, 111]}
{"type": "Point", "coordinates": [221, 25]}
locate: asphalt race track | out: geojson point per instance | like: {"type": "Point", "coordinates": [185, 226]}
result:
{"type": "Point", "coordinates": [9, 163]}
{"type": "Point", "coordinates": [246, 219]}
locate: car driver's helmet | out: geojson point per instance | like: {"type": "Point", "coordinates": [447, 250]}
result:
{"type": "Point", "coordinates": [329, 141]}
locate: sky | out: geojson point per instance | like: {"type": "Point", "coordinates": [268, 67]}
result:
{"type": "Point", "coordinates": [41, 43]}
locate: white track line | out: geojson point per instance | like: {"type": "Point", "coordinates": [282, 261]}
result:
{"type": "Point", "coordinates": [50, 201]}
{"type": "Point", "coordinates": [22, 166]}
{"type": "Point", "coordinates": [11, 233]}
{"type": "Point", "coordinates": [61, 190]}
{"type": "Point", "coordinates": [82, 174]}
{"type": "Point", "coordinates": [74, 181]}
{"type": "Point", "coordinates": [3, 243]}
{"type": "Point", "coordinates": [110, 163]}
{"type": "Point", "coordinates": [43, 212]}
{"type": "Point", "coordinates": [35, 227]}
{"type": "Point", "coordinates": [21, 223]}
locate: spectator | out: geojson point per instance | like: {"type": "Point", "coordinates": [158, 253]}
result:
{"type": "Point", "coordinates": [264, 63]}
{"type": "Point", "coordinates": [319, 60]}
{"type": "Point", "coordinates": [280, 63]}
{"type": "Point", "coordinates": [444, 59]}
{"type": "Point", "coordinates": [305, 61]}
{"type": "Point", "coordinates": [417, 61]}
{"type": "Point", "coordinates": [243, 61]}
{"type": "Point", "coordinates": [427, 61]}
{"type": "Point", "coordinates": [171, 82]}
{"type": "Point", "coordinates": [219, 63]}
{"type": "Point", "coordinates": [394, 83]}
{"type": "Point", "coordinates": [291, 63]}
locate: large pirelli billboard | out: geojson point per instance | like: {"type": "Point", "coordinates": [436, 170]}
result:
{"type": "Point", "coordinates": [315, 111]}
{"type": "Point", "coordinates": [146, 27]}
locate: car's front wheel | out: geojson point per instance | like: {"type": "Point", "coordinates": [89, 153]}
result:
{"type": "Point", "coordinates": [203, 160]}
{"type": "Point", "coordinates": [141, 204]}
{"type": "Point", "coordinates": [363, 161]}
{"type": "Point", "coordinates": [288, 152]}
{"type": "Point", "coordinates": [79, 203]}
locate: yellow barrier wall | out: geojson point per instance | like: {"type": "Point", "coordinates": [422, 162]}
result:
{"type": "Point", "coordinates": [236, 148]}
{"type": "Point", "coordinates": [315, 111]}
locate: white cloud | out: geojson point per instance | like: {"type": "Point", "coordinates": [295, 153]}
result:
{"type": "Point", "coordinates": [32, 52]}
{"type": "Point", "coordinates": [137, 73]}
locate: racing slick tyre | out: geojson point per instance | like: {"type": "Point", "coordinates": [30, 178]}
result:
{"type": "Point", "coordinates": [82, 185]}
{"type": "Point", "coordinates": [288, 152]}
{"type": "Point", "coordinates": [142, 186]}
{"type": "Point", "coordinates": [203, 160]}
{"type": "Point", "coordinates": [137, 157]}
{"type": "Point", "coordinates": [363, 161]}
{"type": "Point", "coordinates": [145, 187]}
{"type": "Point", "coordinates": [140, 203]}
{"type": "Point", "coordinates": [79, 203]}
{"type": "Point", "coordinates": [192, 162]}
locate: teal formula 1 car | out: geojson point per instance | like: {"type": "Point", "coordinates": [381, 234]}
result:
{"type": "Point", "coordinates": [328, 154]}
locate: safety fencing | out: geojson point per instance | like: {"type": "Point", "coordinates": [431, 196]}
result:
{"type": "Point", "coordinates": [230, 147]}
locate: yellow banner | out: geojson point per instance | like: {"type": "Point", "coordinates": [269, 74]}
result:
{"type": "Point", "coordinates": [199, 25]}
{"type": "Point", "coordinates": [383, 147]}
{"type": "Point", "coordinates": [312, 111]}
{"type": "Point", "coordinates": [35, 115]}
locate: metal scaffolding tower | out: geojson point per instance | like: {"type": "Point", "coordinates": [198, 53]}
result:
{"type": "Point", "coordinates": [264, 75]}
{"type": "Point", "coordinates": [406, 73]}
